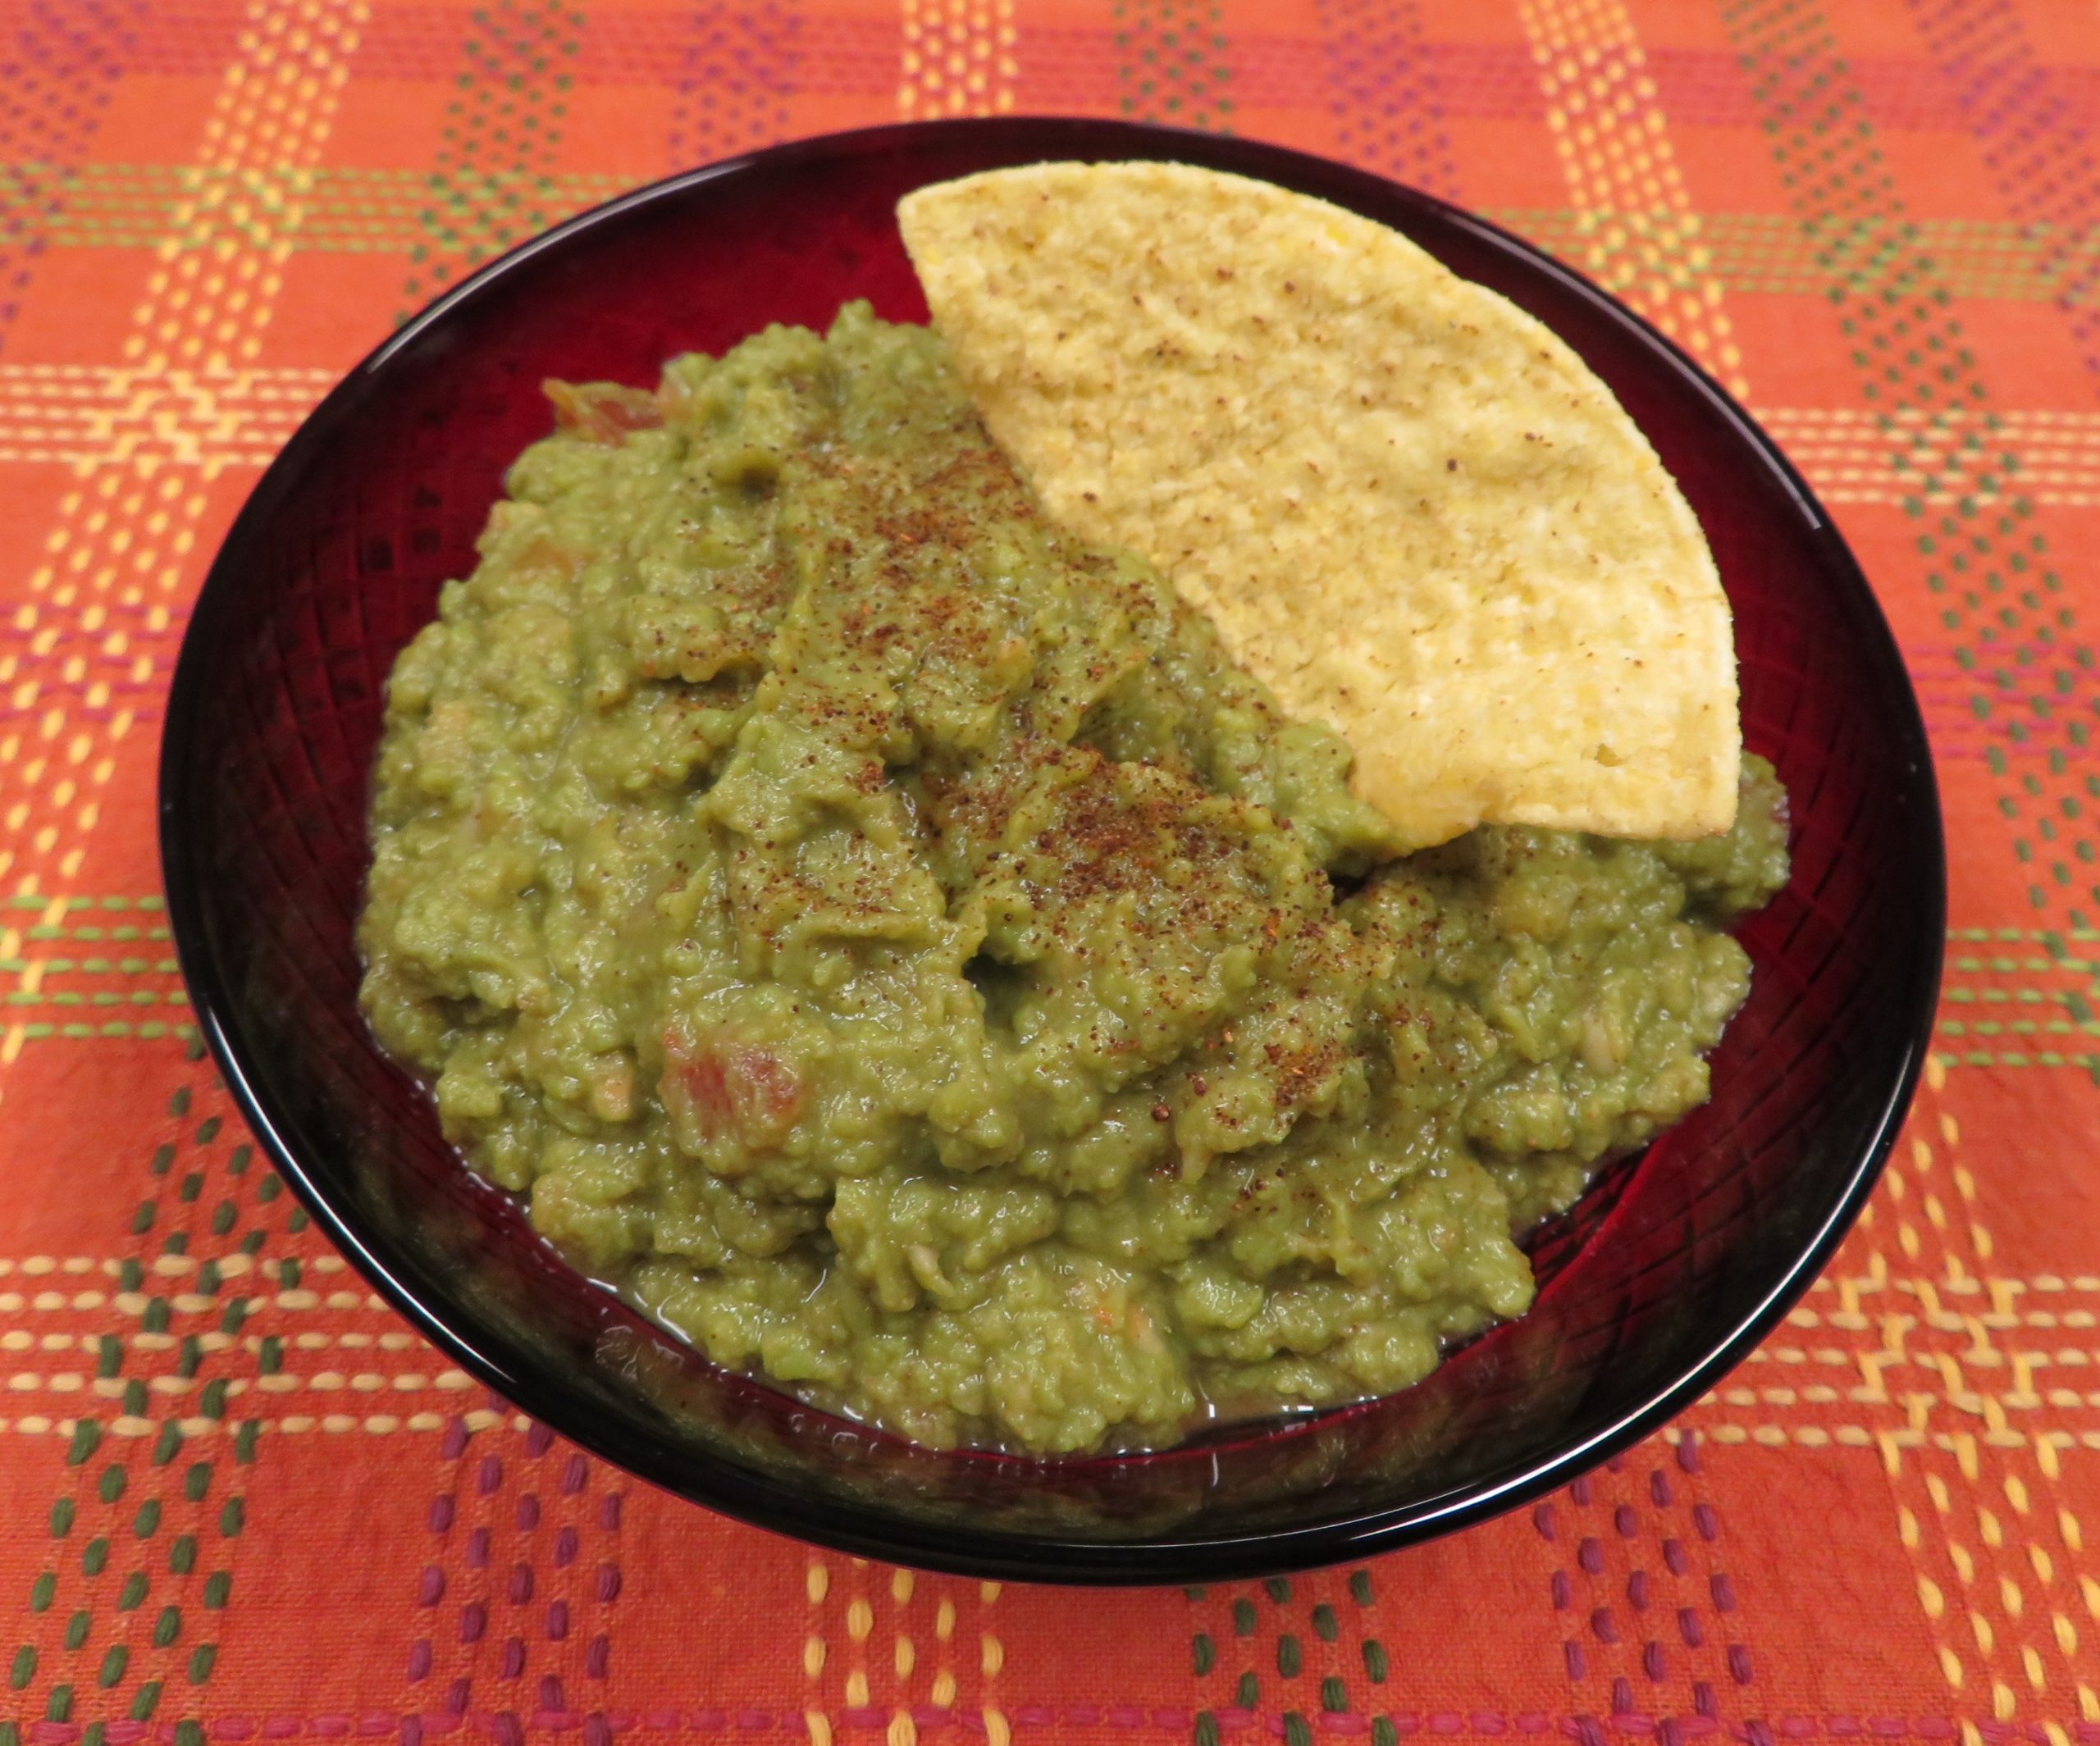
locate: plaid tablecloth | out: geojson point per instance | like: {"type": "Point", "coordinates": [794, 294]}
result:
{"type": "Point", "coordinates": [240, 1501]}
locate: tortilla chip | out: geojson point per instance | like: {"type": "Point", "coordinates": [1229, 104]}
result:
{"type": "Point", "coordinates": [1410, 510]}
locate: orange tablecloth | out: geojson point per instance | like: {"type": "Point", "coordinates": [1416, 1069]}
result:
{"type": "Point", "coordinates": [243, 1503]}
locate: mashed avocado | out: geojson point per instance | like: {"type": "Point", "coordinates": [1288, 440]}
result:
{"type": "Point", "coordinates": [887, 940]}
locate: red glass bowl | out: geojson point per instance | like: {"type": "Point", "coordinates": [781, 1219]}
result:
{"type": "Point", "coordinates": [1664, 1275]}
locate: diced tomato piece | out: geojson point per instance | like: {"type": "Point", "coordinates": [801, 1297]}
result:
{"type": "Point", "coordinates": [706, 1089]}
{"type": "Point", "coordinates": [727, 1086]}
{"type": "Point", "coordinates": [602, 412]}
{"type": "Point", "coordinates": [544, 553]}
{"type": "Point", "coordinates": [765, 1093]}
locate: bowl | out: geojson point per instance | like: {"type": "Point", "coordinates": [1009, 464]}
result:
{"type": "Point", "coordinates": [1665, 1273]}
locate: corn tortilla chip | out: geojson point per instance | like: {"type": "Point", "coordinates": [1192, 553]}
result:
{"type": "Point", "coordinates": [1410, 509]}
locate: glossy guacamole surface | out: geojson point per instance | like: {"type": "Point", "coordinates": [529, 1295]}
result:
{"type": "Point", "coordinates": [887, 940]}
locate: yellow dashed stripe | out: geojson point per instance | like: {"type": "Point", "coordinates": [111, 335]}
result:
{"type": "Point", "coordinates": [957, 58]}
{"type": "Point", "coordinates": [1640, 234]}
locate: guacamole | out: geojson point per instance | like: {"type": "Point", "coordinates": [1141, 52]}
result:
{"type": "Point", "coordinates": [887, 939]}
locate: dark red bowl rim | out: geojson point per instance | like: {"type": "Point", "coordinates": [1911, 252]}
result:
{"type": "Point", "coordinates": [866, 1530]}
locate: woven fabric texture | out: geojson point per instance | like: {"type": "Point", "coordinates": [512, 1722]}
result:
{"type": "Point", "coordinates": [242, 1502]}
